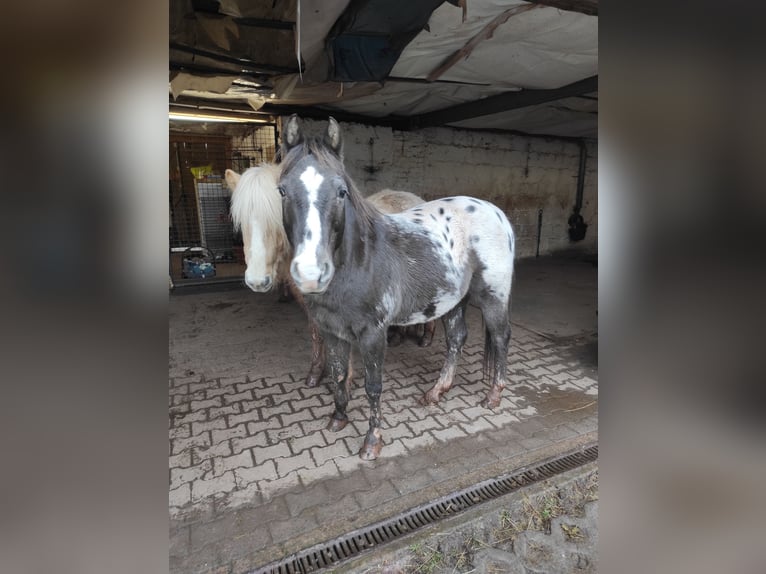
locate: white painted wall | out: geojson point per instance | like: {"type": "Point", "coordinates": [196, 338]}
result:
{"type": "Point", "coordinates": [517, 173]}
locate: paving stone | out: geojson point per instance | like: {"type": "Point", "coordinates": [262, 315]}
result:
{"type": "Point", "coordinates": [534, 443]}
{"type": "Point", "coordinates": [292, 419]}
{"type": "Point", "coordinates": [234, 398]}
{"type": "Point", "coordinates": [215, 392]}
{"type": "Point", "coordinates": [346, 509]}
{"type": "Point", "coordinates": [180, 496]}
{"type": "Point", "coordinates": [204, 404]}
{"type": "Point", "coordinates": [290, 463]}
{"type": "Point", "coordinates": [239, 431]}
{"type": "Point", "coordinates": [220, 449]}
{"type": "Point", "coordinates": [299, 444]}
{"type": "Point", "coordinates": [183, 444]}
{"type": "Point", "coordinates": [179, 476]}
{"type": "Point", "coordinates": [425, 439]}
{"type": "Point", "coordinates": [324, 453]}
{"type": "Point", "coordinates": [180, 460]}
{"type": "Point", "coordinates": [314, 474]}
{"type": "Point", "coordinates": [348, 464]}
{"type": "Point", "coordinates": [299, 501]}
{"type": "Point", "coordinates": [270, 488]}
{"type": "Point", "coordinates": [190, 418]}
{"type": "Point", "coordinates": [477, 425]}
{"type": "Point", "coordinates": [206, 488]}
{"type": "Point", "coordinates": [183, 431]}
{"type": "Point", "coordinates": [257, 426]}
{"type": "Point", "coordinates": [285, 529]}
{"type": "Point", "coordinates": [449, 433]}
{"type": "Point", "coordinates": [449, 468]}
{"type": "Point", "coordinates": [216, 412]}
{"type": "Point", "coordinates": [264, 471]}
{"type": "Point", "coordinates": [424, 424]}
{"type": "Point", "coordinates": [262, 454]}
{"type": "Point", "coordinates": [203, 427]}
{"type": "Point", "coordinates": [280, 409]}
{"type": "Point", "coordinates": [411, 482]}
{"type": "Point", "coordinates": [248, 442]}
{"type": "Point", "coordinates": [383, 491]}
{"type": "Point", "coordinates": [241, 460]}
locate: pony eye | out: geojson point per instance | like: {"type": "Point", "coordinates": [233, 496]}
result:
{"type": "Point", "coordinates": [281, 190]}
{"type": "Point", "coordinates": [342, 192]}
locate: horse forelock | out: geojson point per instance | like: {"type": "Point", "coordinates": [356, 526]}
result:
{"type": "Point", "coordinates": [256, 200]}
{"type": "Point", "coordinates": [326, 159]}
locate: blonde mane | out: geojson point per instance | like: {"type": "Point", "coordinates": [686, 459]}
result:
{"type": "Point", "coordinates": [256, 199]}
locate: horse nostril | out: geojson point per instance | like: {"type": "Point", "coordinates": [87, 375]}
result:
{"type": "Point", "coordinates": [325, 272]}
{"type": "Point", "coordinates": [266, 283]}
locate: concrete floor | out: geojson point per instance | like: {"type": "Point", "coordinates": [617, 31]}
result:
{"type": "Point", "coordinates": [255, 476]}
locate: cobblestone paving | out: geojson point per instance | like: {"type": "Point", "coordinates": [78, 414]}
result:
{"type": "Point", "coordinates": [254, 475]}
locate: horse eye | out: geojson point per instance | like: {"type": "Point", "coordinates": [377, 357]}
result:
{"type": "Point", "coordinates": [281, 190]}
{"type": "Point", "coordinates": [342, 192]}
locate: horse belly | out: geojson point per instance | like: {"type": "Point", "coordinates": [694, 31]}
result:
{"type": "Point", "coordinates": [443, 302]}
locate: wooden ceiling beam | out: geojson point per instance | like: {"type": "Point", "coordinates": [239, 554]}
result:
{"type": "Point", "coordinates": [588, 7]}
{"type": "Point", "coordinates": [501, 103]}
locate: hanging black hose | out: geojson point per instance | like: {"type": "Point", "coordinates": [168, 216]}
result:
{"type": "Point", "coordinates": [577, 225]}
{"type": "Point", "coordinates": [539, 230]}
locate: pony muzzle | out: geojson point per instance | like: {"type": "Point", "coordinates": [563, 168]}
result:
{"type": "Point", "coordinates": [311, 278]}
{"type": "Point", "coordinates": [259, 284]}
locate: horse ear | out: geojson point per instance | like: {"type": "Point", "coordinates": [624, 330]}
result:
{"type": "Point", "coordinates": [232, 178]}
{"type": "Point", "coordinates": [332, 137]}
{"type": "Point", "coordinates": [293, 131]}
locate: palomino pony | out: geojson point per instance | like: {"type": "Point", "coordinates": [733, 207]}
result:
{"type": "Point", "coordinates": [256, 209]}
{"type": "Point", "coordinates": [361, 271]}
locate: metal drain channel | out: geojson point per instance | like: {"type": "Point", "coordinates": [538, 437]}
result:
{"type": "Point", "coordinates": [330, 553]}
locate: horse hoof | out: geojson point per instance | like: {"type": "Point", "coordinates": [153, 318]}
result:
{"type": "Point", "coordinates": [490, 403]}
{"type": "Point", "coordinates": [371, 451]}
{"type": "Point", "coordinates": [312, 381]}
{"type": "Point", "coordinates": [428, 398]}
{"type": "Point", "coordinates": [336, 425]}
{"type": "Point", "coordinates": [424, 342]}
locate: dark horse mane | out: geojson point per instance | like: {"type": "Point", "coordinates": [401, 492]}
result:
{"type": "Point", "coordinates": [366, 213]}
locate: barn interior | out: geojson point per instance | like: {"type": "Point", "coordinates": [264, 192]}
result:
{"type": "Point", "coordinates": [495, 100]}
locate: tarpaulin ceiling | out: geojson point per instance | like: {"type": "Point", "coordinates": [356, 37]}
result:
{"type": "Point", "coordinates": [395, 61]}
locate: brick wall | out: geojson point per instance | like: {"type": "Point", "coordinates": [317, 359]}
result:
{"type": "Point", "coordinates": [519, 174]}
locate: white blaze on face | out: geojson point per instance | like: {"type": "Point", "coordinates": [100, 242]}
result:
{"type": "Point", "coordinates": [256, 271]}
{"type": "Point", "coordinates": [306, 256]}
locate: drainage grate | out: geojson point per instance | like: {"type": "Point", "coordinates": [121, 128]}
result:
{"type": "Point", "coordinates": [330, 553]}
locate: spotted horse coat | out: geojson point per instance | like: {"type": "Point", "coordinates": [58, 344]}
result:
{"type": "Point", "coordinates": [361, 271]}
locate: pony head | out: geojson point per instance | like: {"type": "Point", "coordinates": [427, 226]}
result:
{"type": "Point", "coordinates": [256, 209]}
{"type": "Point", "coordinates": [315, 202]}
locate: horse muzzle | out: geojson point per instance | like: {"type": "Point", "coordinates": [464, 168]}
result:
{"type": "Point", "coordinates": [311, 279]}
{"type": "Point", "coordinates": [259, 284]}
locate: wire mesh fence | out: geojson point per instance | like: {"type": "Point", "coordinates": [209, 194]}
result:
{"type": "Point", "coordinates": [203, 242]}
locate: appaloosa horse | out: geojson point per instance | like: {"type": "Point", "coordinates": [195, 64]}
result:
{"type": "Point", "coordinates": [361, 271]}
{"type": "Point", "coordinates": [256, 209]}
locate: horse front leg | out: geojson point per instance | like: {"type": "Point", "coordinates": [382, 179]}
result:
{"type": "Point", "coordinates": [317, 356]}
{"type": "Point", "coordinates": [373, 352]}
{"type": "Point", "coordinates": [338, 359]}
{"type": "Point", "coordinates": [456, 333]}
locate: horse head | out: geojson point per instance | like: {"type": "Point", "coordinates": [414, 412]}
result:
{"type": "Point", "coordinates": [256, 209]}
{"type": "Point", "coordinates": [315, 191]}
